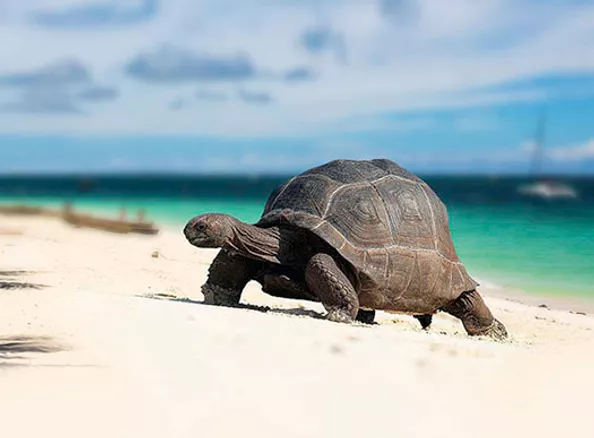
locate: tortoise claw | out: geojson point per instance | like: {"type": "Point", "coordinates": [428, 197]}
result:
{"type": "Point", "coordinates": [339, 315]}
{"type": "Point", "coordinates": [496, 331]}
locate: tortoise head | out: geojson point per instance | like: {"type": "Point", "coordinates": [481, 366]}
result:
{"type": "Point", "coordinates": [211, 230]}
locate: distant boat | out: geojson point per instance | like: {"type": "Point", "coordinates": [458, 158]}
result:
{"type": "Point", "coordinates": [544, 188]}
{"type": "Point", "coordinates": [548, 189]}
{"type": "Point", "coordinates": [121, 225]}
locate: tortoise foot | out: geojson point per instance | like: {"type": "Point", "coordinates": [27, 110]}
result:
{"type": "Point", "coordinates": [340, 315]}
{"type": "Point", "coordinates": [366, 316]}
{"type": "Point", "coordinates": [496, 331]}
{"type": "Point", "coordinates": [476, 316]}
{"type": "Point", "coordinates": [425, 321]}
{"type": "Point", "coordinates": [220, 296]}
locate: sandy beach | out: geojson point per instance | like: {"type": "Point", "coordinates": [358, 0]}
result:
{"type": "Point", "coordinates": [99, 338]}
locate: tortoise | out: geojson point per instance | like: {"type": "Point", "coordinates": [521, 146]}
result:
{"type": "Point", "coordinates": [357, 236]}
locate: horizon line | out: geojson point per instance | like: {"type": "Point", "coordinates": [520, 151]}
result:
{"type": "Point", "coordinates": [271, 175]}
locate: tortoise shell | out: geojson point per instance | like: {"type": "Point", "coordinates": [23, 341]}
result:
{"type": "Point", "coordinates": [386, 222]}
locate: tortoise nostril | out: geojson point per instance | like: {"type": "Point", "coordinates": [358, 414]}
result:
{"type": "Point", "coordinates": [188, 230]}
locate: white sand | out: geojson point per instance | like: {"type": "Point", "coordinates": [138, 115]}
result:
{"type": "Point", "coordinates": [129, 365]}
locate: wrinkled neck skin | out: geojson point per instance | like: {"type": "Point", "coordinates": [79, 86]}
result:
{"type": "Point", "coordinates": [266, 244]}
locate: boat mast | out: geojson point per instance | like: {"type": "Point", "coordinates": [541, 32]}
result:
{"type": "Point", "coordinates": [538, 145]}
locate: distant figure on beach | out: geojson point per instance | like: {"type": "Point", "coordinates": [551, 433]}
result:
{"type": "Point", "coordinates": [358, 236]}
{"type": "Point", "coordinates": [67, 208]}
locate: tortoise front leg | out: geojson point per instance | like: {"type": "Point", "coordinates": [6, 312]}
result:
{"type": "Point", "coordinates": [476, 317]}
{"type": "Point", "coordinates": [227, 276]}
{"type": "Point", "coordinates": [331, 285]}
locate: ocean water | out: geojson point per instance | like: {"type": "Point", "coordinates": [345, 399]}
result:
{"type": "Point", "coordinates": [501, 236]}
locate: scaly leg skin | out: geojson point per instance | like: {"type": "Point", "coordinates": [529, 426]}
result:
{"type": "Point", "coordinates": [425, 320]}
{"type": "Point", "coordinates": [476, 317]}
{"type": "Point", "coordinates": [331, 285]}
{"type": "Point", "coordinates": [227, 276]}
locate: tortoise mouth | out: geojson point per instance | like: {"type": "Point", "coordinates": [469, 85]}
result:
{"type": "Point", "coordinates": [192, 237]}
{"type": "Point", "coordinates": [203, 242]}
{"type": "Point", "coordinates": [195, 240]}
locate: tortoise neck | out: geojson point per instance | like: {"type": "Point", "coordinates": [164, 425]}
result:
{"type": "Point", "coordinates": [255, 242]}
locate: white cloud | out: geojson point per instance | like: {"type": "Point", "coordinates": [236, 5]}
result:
{"type": "Point", "coordinates": [580, 152]}
{"type": "Point", "coordinates": [441, 55]}
{"type": "Point", "coordinates": [524, 153]}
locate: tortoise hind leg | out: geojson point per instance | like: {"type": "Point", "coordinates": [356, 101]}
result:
{"type": "Point", "coordinates": [331, 285]}
{"type": "Point", "coordinates": [425, 320]}
{"type": "Point", "coordinates": [476, 317]}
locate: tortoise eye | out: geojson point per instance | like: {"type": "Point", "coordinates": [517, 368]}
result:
{"type": "Point", "coordinates": [201, 226]}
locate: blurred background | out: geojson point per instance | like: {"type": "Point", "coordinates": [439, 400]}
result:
{"type": "Point", "coordinates": [181, 107]}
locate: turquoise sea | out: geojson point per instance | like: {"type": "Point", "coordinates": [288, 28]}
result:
{"type": "Point", "coordinates": [502, 237]}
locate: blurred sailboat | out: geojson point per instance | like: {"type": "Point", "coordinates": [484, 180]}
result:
{"type": "Point", "coordinates": [544, 188]}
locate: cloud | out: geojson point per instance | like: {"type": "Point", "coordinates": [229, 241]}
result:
{"type": "Point", "coordinates": [203, 96]}
{"type": "Point", "coordinates": [299, 74]}
{"type": "Point", "coordinates": [176, 65]}
{"type": "Point", "coordinates": [59, 73]}
{"type": "Point", "coordinates": [177, 104]}
{"type": "Point", "coordinates": [56, 88]}
{"type": "Point", "coordinates": [43, 100]}
{"type": "Point", "coordinates": [581, 152]}
{"type": "Point", "coordinates": [96, 15]}
{"type": "Point", "coordinates": [96, 93]}
{"type": "Point", "coordinates": [454, 54]}
{"type": "Point", "coordinates": [401, 10]}
{"type": "Point", "coordinates": [255, 97]}
{"type": "Point", "coordinates": [218, 97]}
{"type": "Point", "coordinates": [320, 39]}
{"type": "Point", "coordinates": [211, 96]}
{"type": "Point", "coordinates": [317, 39]}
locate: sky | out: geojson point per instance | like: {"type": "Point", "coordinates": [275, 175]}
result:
{"type": "Point", "coordinates": [277, 86]}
